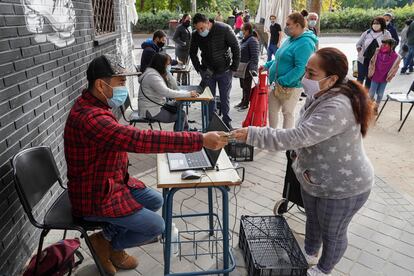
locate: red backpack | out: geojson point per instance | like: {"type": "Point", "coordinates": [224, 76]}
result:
{"type": "Point", "coordinates": [56, 259]}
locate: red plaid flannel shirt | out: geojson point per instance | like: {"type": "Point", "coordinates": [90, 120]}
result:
{"type": "Point", "coordinates": [96, 147]}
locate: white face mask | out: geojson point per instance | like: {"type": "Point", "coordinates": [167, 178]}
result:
{"type": "Point", "coordinates": [311, 87]}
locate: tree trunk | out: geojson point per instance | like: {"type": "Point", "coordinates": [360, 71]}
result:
{"type": "Point", "coordinates": [142, 5]}
{"type": "Point", "coordinates": [194, 6]}
{"type": "Point", "coordinates": [316, 6]}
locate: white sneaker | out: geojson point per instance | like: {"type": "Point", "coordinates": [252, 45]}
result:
{"type": "Point", "coordinates": [314, 271]}
{"type": "Point", "coordinates": [311, 259]}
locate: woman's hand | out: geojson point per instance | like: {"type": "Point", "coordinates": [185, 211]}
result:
{"type": "Point", "coordinates": [240, 134]}
{"type": "Point", "coordinates": [194, 94]}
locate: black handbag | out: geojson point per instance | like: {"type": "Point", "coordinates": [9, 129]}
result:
{"type": "Point", "coordinates": [170, 106]}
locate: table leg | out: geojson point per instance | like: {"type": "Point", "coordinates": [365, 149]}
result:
{"type": "Point", "coordinates": [167, 234]}
{"type": "Point", "coordinates": [210, 211]}
{"type": "Point", "coordinates": [179, 116]}
{"type": "Point", "coordinates": [226, 245]}
{"type": "Point", "coordinates": [204, 118]}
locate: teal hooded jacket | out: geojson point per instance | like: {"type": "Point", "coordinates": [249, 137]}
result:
{"type": "Point", "coordinates": [292, 57]}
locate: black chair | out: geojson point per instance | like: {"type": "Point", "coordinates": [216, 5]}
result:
{"type": "Point", "coordinates": [401, 98]}
{"type": "Point", "coordinates": [35, 172]}
{"type": "Point", "coordinates": [134, 117]}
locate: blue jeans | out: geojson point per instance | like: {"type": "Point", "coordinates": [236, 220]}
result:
{"type": "Point", "coordinates": [408, 59]}
{"type": "Point", "coordinates": [377, 88]}
{"type": "Point", "coordinates": [138, 228]}
{"type": "Point", "coordinates": [224, 84]}
{"type": "Point", "coordinates": [271, 50]}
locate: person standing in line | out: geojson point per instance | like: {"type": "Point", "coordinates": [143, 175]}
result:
{"type": "Point", "coordinates": [220, 57]}
{"type": "Point", "coordinates": [312, 22]}
{"type": "Point", "coordinates": [382, 69]}
{"type": "Point", "coordinates": [182, 39]}
{"type": "Point", "coordinates": [249, 61]}
{"type": "Point", "coordinates": [391, 28]}
{"type": "Point", "coordinates": [238, 22]}
{"type": "Point", "coordinates": [404, 47]}
{"type": "Point", "coordinates": [366, 46]}
{"type": "Point", "coordinates": [287, 68]}
{"type": "Point", "coordinates": [275, 37]}
{"type": "Point", "coordinates": [409, 58]}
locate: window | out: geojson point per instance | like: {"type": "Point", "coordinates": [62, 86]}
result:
{"type": "Point", "coordinates": [103, 18]}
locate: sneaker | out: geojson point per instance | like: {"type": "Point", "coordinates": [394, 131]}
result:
{"type": "Point", "coordinates": [311, 259]}
{"type": "Point", "coordinates": [238, 105]}
{"type": "Point", "coordinates": [243, 107]}
{"type": "Point", "coordinates": [411, 70]}
{"type": "Point", "coordinates": [402, 72]}
{"type": "Point", "coordinates": [315, 271]}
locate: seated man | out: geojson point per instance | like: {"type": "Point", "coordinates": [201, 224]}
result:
{"type": "Point", "coordinates": [152, 46]}
{"type": "Point", "coordinates": [99, 186]}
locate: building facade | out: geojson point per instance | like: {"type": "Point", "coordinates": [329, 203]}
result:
{"type": "Point", "coordinates": [45, 48]}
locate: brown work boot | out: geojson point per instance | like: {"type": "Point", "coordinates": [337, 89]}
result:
{"type": "Point", "coordinates": [103, 249]}
{"type": "Point", "coordinates": [122, 260]}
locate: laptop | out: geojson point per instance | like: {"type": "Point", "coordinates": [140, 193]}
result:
{"type": "Point", "coordinates": [204, 159]}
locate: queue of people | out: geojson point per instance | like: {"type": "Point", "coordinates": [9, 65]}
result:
{"type": "Point", "coordinates": [328, 155]}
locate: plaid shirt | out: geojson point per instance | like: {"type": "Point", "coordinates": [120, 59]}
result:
{"type": "Point", "coordinates": [96, 147]}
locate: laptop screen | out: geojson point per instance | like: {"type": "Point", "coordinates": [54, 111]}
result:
{"type": "Point", "coordinates": [216, 124]}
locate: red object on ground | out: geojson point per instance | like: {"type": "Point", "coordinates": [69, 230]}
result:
{"type": "Point", "coordinates": [257, 115]}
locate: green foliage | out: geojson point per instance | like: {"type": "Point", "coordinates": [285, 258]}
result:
{"type": "Point", "coordinates": [149, 22]}
{"type": "Point", "coordinates": [374, 3]}
{"type": "Point", "coordinates": [359, 19]}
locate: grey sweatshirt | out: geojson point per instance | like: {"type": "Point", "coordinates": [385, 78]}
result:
{"type": "Point", "coordinates": [331, 161]}
{"type": "Point", "coordinates": [155, 88]}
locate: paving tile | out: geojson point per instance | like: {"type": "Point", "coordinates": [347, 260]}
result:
{"type": "Point", "coordinates": [352, 253]}
{"type": "Point", "coordinates": [378, 250]}
{"type": "Point", "coordinates": [360, 270]}
{"type": "Point", "coordinates": [394, 270]}
{"type": "Point", "coordinates": [371, 261]}
{"type": "Point", "coordinates": [402, 261]}
{"type": "Point", "coordinates": [345, 265]}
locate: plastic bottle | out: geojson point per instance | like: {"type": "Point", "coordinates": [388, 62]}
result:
{"type": "Point", "coordinates": [174, 240]}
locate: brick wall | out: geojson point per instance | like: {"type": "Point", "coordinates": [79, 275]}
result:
{"type": "Point", "coordinates": [39, 81]}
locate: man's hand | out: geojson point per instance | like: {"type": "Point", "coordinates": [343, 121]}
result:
{"type": "Point", "coordinates": [194, 94]}
{"type": "Point", "coordinates": [240, 134]}
{"type": "Point", "coordinates": [215, 140]}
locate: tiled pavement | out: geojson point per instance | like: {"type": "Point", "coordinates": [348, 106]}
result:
{"type": "Point", "coordinates": [381, 235]}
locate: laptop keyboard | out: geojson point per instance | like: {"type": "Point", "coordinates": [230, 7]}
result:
{"type": "Point", "coordinates": [196, 159]}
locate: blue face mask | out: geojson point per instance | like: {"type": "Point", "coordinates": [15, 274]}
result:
{"type": "Point", "coordinates": [204, 33]}
{"type": "Point", "coordinates": [169, 68]}
{"type": "Point", "coordinates": [119, 95]}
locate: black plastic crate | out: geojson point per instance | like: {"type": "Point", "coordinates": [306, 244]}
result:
{"type": "Point", "coordinates": [269, 247]}
{"type": "Point", "coordinates": [239, 151]}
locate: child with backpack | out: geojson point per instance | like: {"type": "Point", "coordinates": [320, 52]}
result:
{"type": "Point", "coordinates": [382, 69]}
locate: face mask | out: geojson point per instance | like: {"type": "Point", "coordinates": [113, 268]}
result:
{"type": "Point", "coordinates": [384, 49]}
{"type": "Point", "coordinates": [160, 44]}
{"type": "Point", "coordinates": [186, 23]}
{"type": "Point", "coordinates": [204, 33]}
{"type": "Point", "coordinates": [311, 87]}
{"type": "Point", "coordinates": [169, 68]}
{"type": "Point", "coordinates": [119, 95]}
{"type": "Point", "coordinates": [312, 23]}
{"type": "Point", "coordinates": [273, 22]}
{"type": "Point", "coordinates": [376, 27]}
{"type": "Point", "coordinates": [388, 22]}
{"type": "Point", "coordinates": [287, 31]}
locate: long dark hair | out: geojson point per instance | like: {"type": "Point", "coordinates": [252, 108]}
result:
{"type": "Point", "coordinates": [159, 62]}
{"type": "Point", "coordinates": [334, 62]}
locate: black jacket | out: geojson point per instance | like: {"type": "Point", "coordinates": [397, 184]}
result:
{"type": "Point", "coordinates": [150, 49]}
{"type": "Point", "coordinates": [182, 39]}
{"type": "Point", "coordinates": [393, 33]}
{"type": "Point", "coordinates": [249, 50]}
{"type": "Point", "coordinates": [220, 50]}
